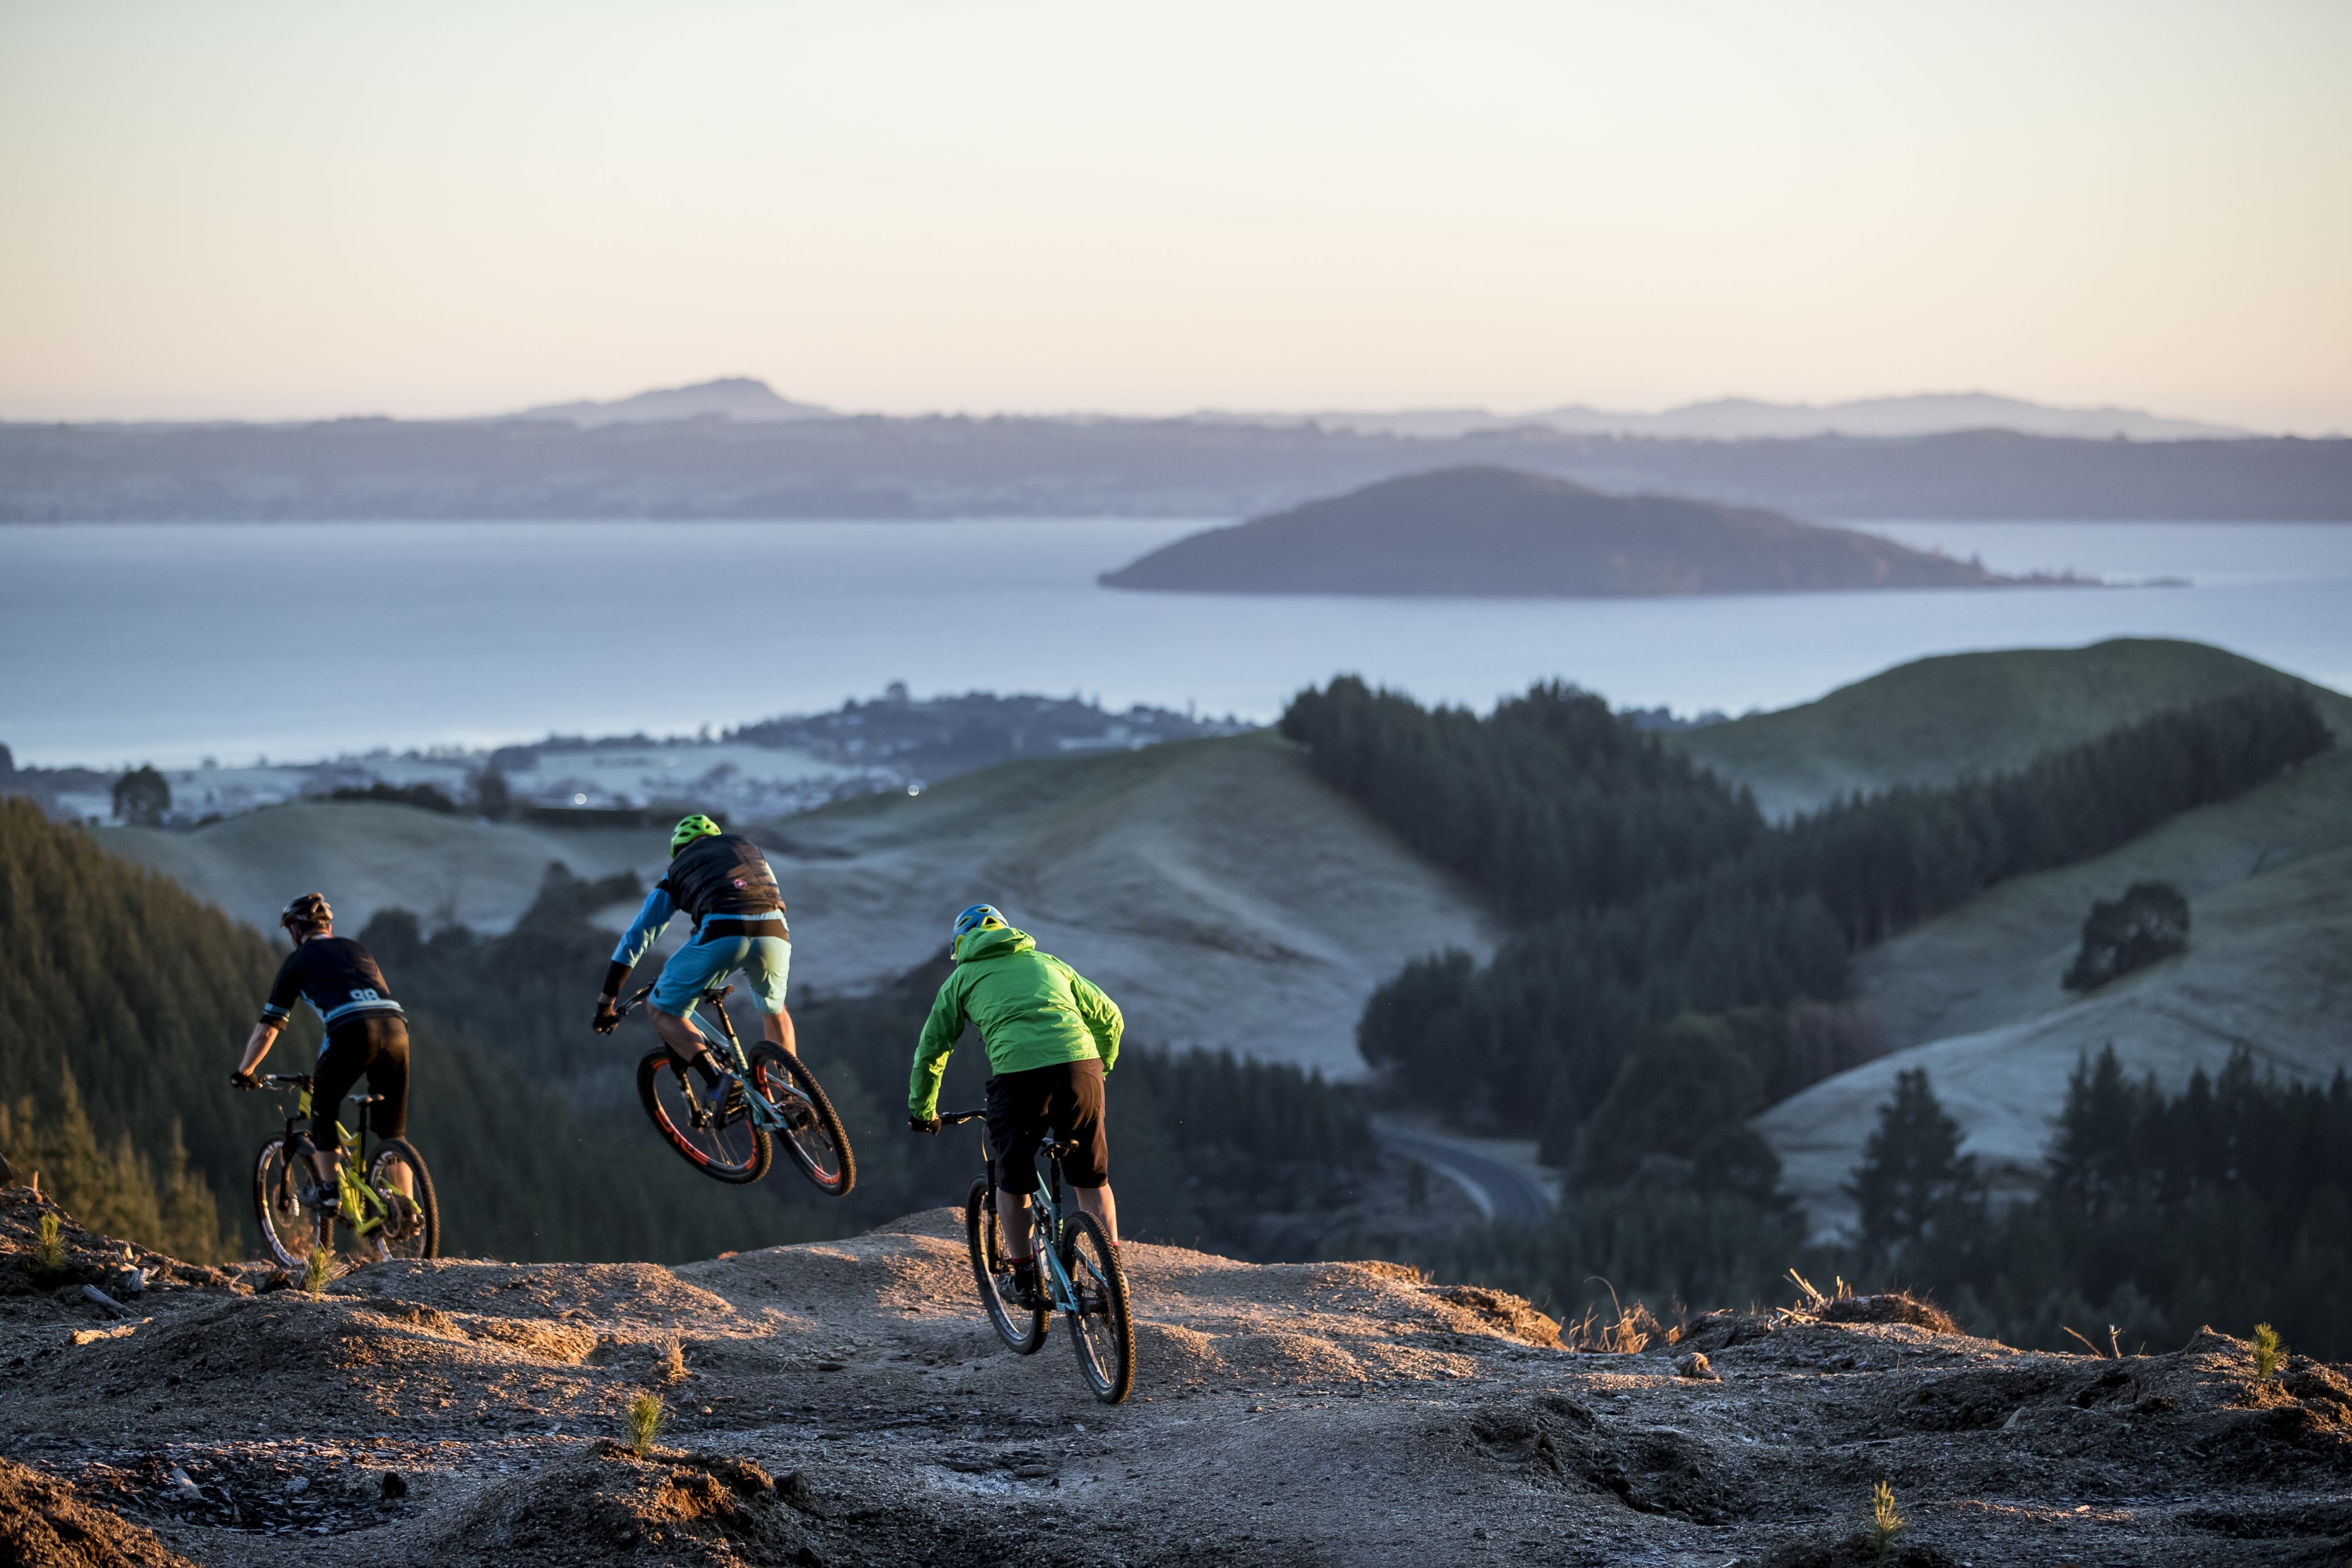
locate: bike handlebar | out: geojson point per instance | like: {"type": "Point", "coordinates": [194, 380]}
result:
{"type": "Point", "coordinates": [958, 1118]}
{"type": "Point", "coordinates": [713, 995]}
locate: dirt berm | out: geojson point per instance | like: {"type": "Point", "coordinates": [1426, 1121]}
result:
{"type": "Point", "coordinates": [845, 1403]}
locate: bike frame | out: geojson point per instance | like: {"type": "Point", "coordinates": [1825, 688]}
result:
{"type": "Point", "coordinates": [357, 1204]}
{"type": "Point", "coordinates": [1046, 1201]}
{"type": "Point", "coordinates": [733, 1064]}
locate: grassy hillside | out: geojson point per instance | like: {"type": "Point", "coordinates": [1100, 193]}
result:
{"type": "Point", "coordinates": [1224, 897]}
{"type": "Point", "coordinates": [2269, 969]}
{"type": "Point", "coordinates": [367, 856]}
{"type": "Point", "coordinates": [1935, 720]}
{"type": "Point", "coordinates": [1221, 893]}
{"type": "Point", "coordinates": [1997, 961]}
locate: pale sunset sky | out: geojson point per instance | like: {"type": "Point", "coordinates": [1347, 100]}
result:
{"type": "Point", "coordinates": [285, 210]}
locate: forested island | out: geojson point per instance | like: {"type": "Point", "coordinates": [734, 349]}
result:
{"type": "Point", "coordinates": [1507, 533]}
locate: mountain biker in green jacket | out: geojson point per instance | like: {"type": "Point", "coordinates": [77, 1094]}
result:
{"type": "Point", "coordinates": [1051, 1035]}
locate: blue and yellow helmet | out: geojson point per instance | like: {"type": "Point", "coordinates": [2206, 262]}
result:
{"type": "Point", "coordinates": [978, 917]}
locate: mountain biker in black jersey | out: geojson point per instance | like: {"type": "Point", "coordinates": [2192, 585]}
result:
{"type": "Point", "coordinates": [367, 1035]}
{"type": "Point", "coordinates": [725, 884]}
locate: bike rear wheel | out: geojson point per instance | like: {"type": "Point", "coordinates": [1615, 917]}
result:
{"type": "Point", "coordinates": [1100, 1328]}
{"type": "Point", "coordinates": [410, 1227]}
{"type": "Point", "coordinates": [289, 1230]}
{"type": "Point", "coordinates": [1024, 1331]}
{"type": "Point", "coordinates": [731, 1148]}
{"type": "Point", "coordinates": [814, 1135]}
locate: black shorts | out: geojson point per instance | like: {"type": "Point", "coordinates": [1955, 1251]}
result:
{"type": "Point", "coordinates": [1065, 1098]}
{"type": "Point", "coordinates": [372, 1046]}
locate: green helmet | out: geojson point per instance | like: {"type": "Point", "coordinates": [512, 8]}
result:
{"type": "Point", "coordinates": [690, 829]}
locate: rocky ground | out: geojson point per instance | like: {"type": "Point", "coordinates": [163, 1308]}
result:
{"type": "Point", "coordinates": [846, 1403]}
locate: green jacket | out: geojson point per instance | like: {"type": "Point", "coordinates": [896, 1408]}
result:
{"type": "Point", "coordinates": [1031, 1009]}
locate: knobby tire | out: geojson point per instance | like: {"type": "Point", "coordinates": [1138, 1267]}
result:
{"type": "Point", "coordinates": [821, 1150]}
{"type": "Point", "coordinates": [1101, 1330]}
{"type": "Point", "coordinates": [1024, 1331]}
{"type": "Point", "coordinates": [288, 1230]}
{"type": "Point", "coordinates": [418, 1234]}
{"type": "Point", "coordinates": [737, 1153]}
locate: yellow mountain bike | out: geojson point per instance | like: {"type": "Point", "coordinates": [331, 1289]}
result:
{"type": "Point", "coordinates": [384, 1199]}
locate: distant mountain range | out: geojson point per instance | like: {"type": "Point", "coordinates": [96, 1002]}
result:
{"type": "Point", "coordinates": [740, 399]}
{"type": "Point", "coordinates": [1503, 533]}
{"type": "Point", "coordinates": [745, 400]}
{"type": "Point", "coordinates": [1746, 419]}
{"type": "Point", "coordinates": [711, 464]}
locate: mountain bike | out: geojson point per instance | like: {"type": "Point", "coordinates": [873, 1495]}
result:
{"type": "Point", "coordinates": [727, 1129]}
{"type": "Point", "coordinates": [387, 1218]}
{"type": "Point", "coordinates": [1079, 1266]}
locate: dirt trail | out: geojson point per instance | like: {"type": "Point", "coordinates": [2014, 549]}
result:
{"type": "Point", "coordinates": [845, 1403]}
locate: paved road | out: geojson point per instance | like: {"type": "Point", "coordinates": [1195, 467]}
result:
{"type": "Point", "coordinates": [1501, 1191]}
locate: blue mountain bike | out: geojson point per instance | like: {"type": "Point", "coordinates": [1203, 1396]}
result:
{"type": "Point", "coordinates": [725, 1125]}
{"type": "Point", "coordinates": [1076, 1265]}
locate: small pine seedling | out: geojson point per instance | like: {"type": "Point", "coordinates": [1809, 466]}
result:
{"type": "Point", "coordinates": [671, 1367]}
{"type": "Point", "coordinates": [318, 1271]}
{"type": "Point", "coordinates": [1886, 1521]}
{"type": "Point", "coordinates": [646, 1418]}
{"type": "Point", "coordinates": [48, 1245]}
{"type": "Point", "coordinates": [2269, 1351]}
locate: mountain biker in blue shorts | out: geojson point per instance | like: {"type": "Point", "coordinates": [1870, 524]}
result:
{"type": "Point", "coordinates": [1051, 1035]}
{"type": "Point", "coordinates": [724, 882]}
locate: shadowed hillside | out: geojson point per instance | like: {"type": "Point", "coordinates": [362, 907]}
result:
{"type": "Point", "coordinates": [144, 996]}
{"type": "Point", "coordinates": [1502, 533]}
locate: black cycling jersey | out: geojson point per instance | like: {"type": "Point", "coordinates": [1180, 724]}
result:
{"type": "Point", "coordinates": [336, 976]}
{"type": "Point", "coordinates": [725, 874]}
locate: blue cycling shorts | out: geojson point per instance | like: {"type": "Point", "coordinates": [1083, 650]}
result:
{"type": "Point", "coordinates": [766, 963]}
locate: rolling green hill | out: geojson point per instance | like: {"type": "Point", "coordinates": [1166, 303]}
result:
{"type": "Point", "coordinates": [1997, 961]}
{"type": "Point", "coordinates": [1220, 892]}
{"type": "Point", "coordinates": [1937, 720]}
{"type": "Point", "coordinates": [2269, 969]}
{"type": "Point", "coordinates": [367, 856]}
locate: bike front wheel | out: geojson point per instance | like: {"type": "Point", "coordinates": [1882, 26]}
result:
{"type": "Point", "coordinates": [812, 1134]}
{"type": "Point", "coordinates": [410, 1225]}
{"type": "Point", "coordinates": [1100, 1328]}
{"type": "Point", "coordinates": [1024, 1331]}
{"type": "Point", "coordinates": [715, 1136]}
{"type": "Point", "coordinates": [289, 1230]}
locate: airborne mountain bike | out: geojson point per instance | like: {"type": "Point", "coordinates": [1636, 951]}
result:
{"type": "Point", "coordinates": [1076, 1265]}
{"type": "Point", "coordinates": [725, 1125]}
{"type": "Point", "coordinates": [388, 1216]}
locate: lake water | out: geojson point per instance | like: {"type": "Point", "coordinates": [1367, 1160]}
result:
{"type": "Point", "coordinates": [123, 643]}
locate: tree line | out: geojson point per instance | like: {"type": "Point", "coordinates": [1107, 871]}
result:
{"type": "Point", "coordinates": [1643, 887]}
{"type": "Point", "coordinates": [2226, 1203]}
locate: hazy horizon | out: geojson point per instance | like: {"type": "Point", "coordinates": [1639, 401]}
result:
{"type": "Point", "coordinates": [268, 211]}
